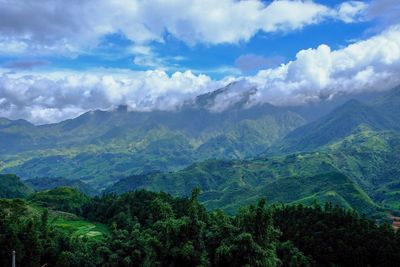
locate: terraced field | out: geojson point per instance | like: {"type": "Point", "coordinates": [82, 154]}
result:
{"type": "Point", "coordinates": [81, 228]}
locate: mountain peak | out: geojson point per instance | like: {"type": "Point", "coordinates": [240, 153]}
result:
{"type": "Point", "coordinates": [234, 95]}
{"type": "Point", "coordinates": [19, 122]}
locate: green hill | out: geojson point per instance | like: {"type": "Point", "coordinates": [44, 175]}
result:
{"type": "Point", "coordinates": [62, 198]}
{"type": "Point", "coordinates": [41, 184]}
{"type": "Point", "coordinates": [229, 185]}
{"type": "Point", "coordinates": [69, 223]}
{"type": "Point", "coordinates": [369, 159]}
{"type": "Point", "coordinates": [12, 187]}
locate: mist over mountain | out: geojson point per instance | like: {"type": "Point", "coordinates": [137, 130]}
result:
{"type": "Point", "coordinates": [127, 142]}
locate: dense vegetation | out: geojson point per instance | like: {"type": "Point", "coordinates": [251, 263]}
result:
{"type": "Point", "coordinates": [156, 229]}
{"type": "Point", "coordinates": [61, 198]}
{"type": "Point", "coordinates": [12, 187]}
{"type": "Point", "coordinates": [229, 185]}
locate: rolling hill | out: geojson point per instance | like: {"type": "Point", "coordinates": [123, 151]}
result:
{"type": "Point", "coordinates": [368, 160]}
{"type": "Point", "coordinates": [230, 184]}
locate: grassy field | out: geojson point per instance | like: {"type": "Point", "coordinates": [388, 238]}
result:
{"type": "Point", "coordinates": [81, 228]}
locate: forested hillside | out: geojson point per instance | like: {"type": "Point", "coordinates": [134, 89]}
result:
{"type": "Point", "coordinates": [365, 163]}
{"type": "Point", "coordinates": [155, 229]}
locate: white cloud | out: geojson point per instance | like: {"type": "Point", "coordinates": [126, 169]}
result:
{"type": "Point", "coordinates": [51, 97]}
{"type": "Point", "coordinates": [315, 74]}
{"type": "Point", "coordinates": [352, 11]}
{"type": "Point", "coordinates": [68, 27]}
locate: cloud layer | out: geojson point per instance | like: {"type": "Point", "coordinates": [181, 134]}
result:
{"type": "Point", "coordinates": [71, 27]}
{"type": "Point", "coordinates": [56, 96]}
{"type": "Point", "coordinates": [321, 73]}
{"type": "Point", "coordinates": [316, 74]}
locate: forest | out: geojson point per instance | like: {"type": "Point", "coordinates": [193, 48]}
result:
{"type": "Point", "coordinates": [156, 229]}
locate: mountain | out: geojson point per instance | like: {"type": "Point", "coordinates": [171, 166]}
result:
{"type": "Point", "coordinates": [378, 115]}
{"type": "Point", "coordinates": [12, 187]}
{"type": "Point", "coordinates": [336, 125]}
{"type": "Point", "coordinates": [357, 141]}
{"type": "Point", "coordinates": [389, 106]}
{"type": "Point", "coordinates": [100, 147]}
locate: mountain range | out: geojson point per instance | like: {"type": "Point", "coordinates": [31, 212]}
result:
{"type": "Point", "coordinates": [99, 147]}
{"type": "Point", "coordinates": [348, 156]}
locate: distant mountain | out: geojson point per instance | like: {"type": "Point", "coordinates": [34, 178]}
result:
{"type": "Point", "coordinates": [12, 187]}
{"type": "Point", "coordinates": [381, 114]}
{"type": "Point", "coordinates": [100, 147]}
{"type": "Point", "coordinates": [389, 106]}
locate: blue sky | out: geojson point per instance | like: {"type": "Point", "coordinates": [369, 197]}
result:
{"type": "Point", "coordinates": [216, 60]}
{"type": "Point", "coordinates": [61, 58]}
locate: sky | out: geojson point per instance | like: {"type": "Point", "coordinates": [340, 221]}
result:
{"type": "Point", "coordinates": [59, 59]}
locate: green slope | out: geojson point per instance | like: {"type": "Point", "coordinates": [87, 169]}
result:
{"type": "Point", "coordinates": [12, 187]}
{"type": "Point", "coordinates": [229, 185]}
{"type": "Point", "coordinates": [380, 114]}
{"type": "Point", "coordinates": [369, 159]}
{"type": "Point", "coordinates": [340, 123]}
{"type": "Point", "coordinates": [62, 198]}
{"type": "Point", "coordinates": [63, 221]}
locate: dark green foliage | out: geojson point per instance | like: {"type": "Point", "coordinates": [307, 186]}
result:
{"type": "Point", "coordinates": [12, 187]}
{"type": "Point", "coordinates": [61, 198]}
{"type": "Point", "coordinates": [156, 229]}
{"type": "Point", "coordinates": [334, 236]}
{"type": "Point", "coordinates": [36, 242]}
{"type": "Point", "coordinates": [179, 232]}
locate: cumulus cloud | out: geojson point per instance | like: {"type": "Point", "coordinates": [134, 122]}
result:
{"type": "Point", "coordinates": [316, 74]}
{"type": "Point", "coordinates": [56, 96]}
{"type": "Point", "coordinates": [352, 11]}
{"type": "Point", "coordinates": [69, 27]}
